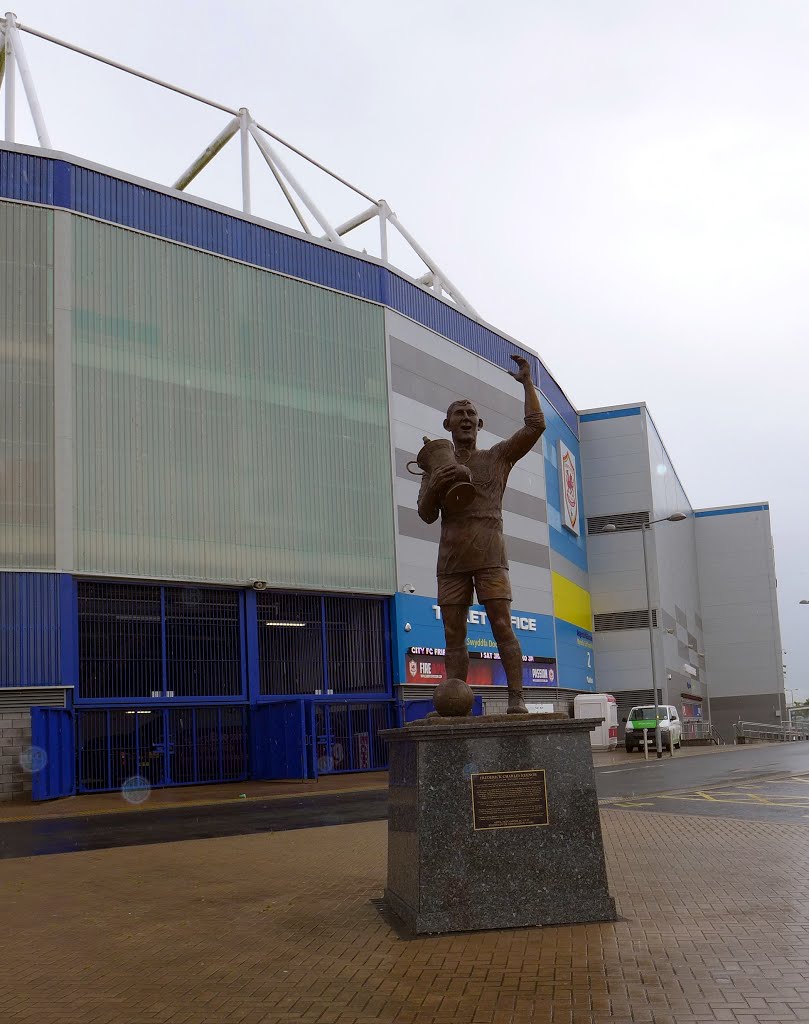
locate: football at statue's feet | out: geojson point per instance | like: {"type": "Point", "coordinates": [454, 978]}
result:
{"type": "Point", "coordinates": [453, 698]}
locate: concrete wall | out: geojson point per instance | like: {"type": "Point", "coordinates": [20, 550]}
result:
{"type": "Point", "coordinates": [755, 707]}
{"type": "Point", "coordinates": [615, 473]}
{"type": "Point", "coordinates": [740, 611]}
{"type": "Point", "coordinates": [15, 737]}
{"type": "Point", "coordinates": [673, 561]}
{"type": "Point", "coordinates": [615, 461]}
{"type": "Point", "coordinates": [717, 644]}
{"type": "Point", "coordinates": [627, 471]}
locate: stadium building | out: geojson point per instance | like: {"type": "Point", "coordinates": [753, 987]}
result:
{"type": "Point", "coordinates": [211, 565]}
{"type": "Point", "coordinates": [209, 529]}
{"type": "Point", "coordinates": [689, 604]}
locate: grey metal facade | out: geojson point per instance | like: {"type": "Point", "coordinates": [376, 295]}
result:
{"type": "Point", "coordinates": [740, 615]}
{"type": "Point", "coordinates": [209, 421]}
{"type": "Point", "coordinates": [715, 636]}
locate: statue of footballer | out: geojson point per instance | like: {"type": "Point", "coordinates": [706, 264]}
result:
{"type": "Point", "coordinates": [472, 551]}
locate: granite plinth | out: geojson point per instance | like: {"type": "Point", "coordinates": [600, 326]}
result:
{"type": "Point", "coordinates": [444, 874]}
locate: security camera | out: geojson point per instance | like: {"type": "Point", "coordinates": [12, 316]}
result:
{"type": "Point", "coordinates": [258, 584]}
{"type": "Point", "coordinates": [408, 588]}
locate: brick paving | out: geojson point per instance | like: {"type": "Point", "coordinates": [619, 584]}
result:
{"type": "Point", "coordinates": [280, 927]}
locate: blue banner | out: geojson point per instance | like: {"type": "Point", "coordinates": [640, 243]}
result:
{"type": "Point", "coordinates": [419, 644]}
{"type": "Point", "coordinates": [574, 652]}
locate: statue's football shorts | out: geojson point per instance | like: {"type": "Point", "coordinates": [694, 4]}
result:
{"type": "Point", "coordinates": [489, 585]}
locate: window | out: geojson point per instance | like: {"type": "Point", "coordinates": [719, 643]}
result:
{"type": "Point", "coordinates": [120, 648]}
{"type": "Point", "coordinates": [202, 642]}
{"type": "Point", "coordinates": [644, 714]}
{"type": "Point", "coordinates": [321, 645]}
{"type": "Point", "coordinates": [144, 641]}
{"type": "Point", "coordinates": [290, 643]}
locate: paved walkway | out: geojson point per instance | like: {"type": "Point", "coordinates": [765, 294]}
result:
{"type": "Point", "coordinates": [190, 796]}
{"type": "Point", "coordinates": [186, 796]}
{"type": "Point", "coordinates": [281, 927]}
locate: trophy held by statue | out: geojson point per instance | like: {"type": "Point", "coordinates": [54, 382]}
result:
{"type": "Point", "coordinates": [459, 493]}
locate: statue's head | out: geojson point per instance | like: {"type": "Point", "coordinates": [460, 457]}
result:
{"type": "Point", "coordinates": [463, 421]}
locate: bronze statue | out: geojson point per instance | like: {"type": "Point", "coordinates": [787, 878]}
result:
{"type": "Point", "coordinates": [472, 551]}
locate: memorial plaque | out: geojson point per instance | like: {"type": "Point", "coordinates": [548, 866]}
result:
{"type": "Point", "coordinates": [509, 799]}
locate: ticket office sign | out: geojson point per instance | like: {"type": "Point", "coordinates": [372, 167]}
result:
{"type": "Point", "coordinates": [509, 799]}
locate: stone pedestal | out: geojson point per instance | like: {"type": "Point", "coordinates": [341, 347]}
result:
{"type": "Point", "coordinates": [493, 823]}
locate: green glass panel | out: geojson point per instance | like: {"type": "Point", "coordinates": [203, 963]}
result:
{"type": "Point", "coordinates": [230, 423]}
{"type": "Point", "coordinates": [26, 387]}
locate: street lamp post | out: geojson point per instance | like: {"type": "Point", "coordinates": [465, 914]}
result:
{"type": "Point", "coordinates": [675, 517]}
{"type": "Point", "coordinates": [803, 600]}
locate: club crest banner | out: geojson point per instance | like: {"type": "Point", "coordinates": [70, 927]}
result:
{"type": "Point", "coordinates": [569, 489]}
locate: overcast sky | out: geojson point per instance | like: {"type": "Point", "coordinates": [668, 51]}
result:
{"type": "Point", "coordinates": [622, 186]}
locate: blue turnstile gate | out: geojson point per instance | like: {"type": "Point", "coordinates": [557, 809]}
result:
{"type": "Point", "coordinates": [53, 753]}
{"type": "Point", "coordinates": [281, 744]}
{"type": "Point", "coordinates": [301, 738]}
{"type": "Point", "coordinates": [94, 750]}
{"type": "Point", "coordinates": [162, 746]}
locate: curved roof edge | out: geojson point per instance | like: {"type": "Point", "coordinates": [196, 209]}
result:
{"type": "Point", "coordinates": [59, 180]}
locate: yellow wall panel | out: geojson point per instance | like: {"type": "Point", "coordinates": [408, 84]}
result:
{"type": "Point", "coordinates": [571, 602]}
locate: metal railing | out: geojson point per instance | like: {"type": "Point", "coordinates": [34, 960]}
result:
{"type": "Point", "coordinates": [697, 730]}
{"type": "Point", "coordinates": [768, 732]}
{"type": "Point", "coordinates": [160, 746]}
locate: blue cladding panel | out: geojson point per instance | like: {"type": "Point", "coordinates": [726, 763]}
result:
{"type": "Point", "coordinates": [280, 740]}
{"type": "Point", "coordinates": [57, 182]}
{"type": "Point", "coordinates": [29, 178]}
{"type": "Point", "coordinates": [731, 511]}
{"type": "Point", "coordinates": [610, 414]}
{"type": "Point", "coordinates": [121, 202]}
{"type": "Point", "coordinates": [574, 654]}
{"type": "Point", "coordinates": [562, 541]}
{"type": "Point", "coordinates": [52, 732]}
{"type": "Point", "coordinates": [29, 629]}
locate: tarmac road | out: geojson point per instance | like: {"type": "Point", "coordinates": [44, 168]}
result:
{"type": "Point", "coordinates": [637, 778]}
{"type": "Point", "coordinates": [678, 785]}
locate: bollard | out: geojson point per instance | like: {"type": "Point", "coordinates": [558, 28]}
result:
{"type": "Point", "coordinates": [646, 744]}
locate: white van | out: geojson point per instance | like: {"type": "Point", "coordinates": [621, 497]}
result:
{"type": "Point", "coordinates": [643, 716]}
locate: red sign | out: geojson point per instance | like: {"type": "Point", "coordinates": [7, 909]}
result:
{"type": "Point", "coordinates": [428, 666]}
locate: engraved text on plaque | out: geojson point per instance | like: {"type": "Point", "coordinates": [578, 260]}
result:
{"type": "Point", "coordinates": [509, 799]}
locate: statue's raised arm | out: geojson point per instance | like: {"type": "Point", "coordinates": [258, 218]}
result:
{"type": "Point", "coordinates": [524, 439]}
